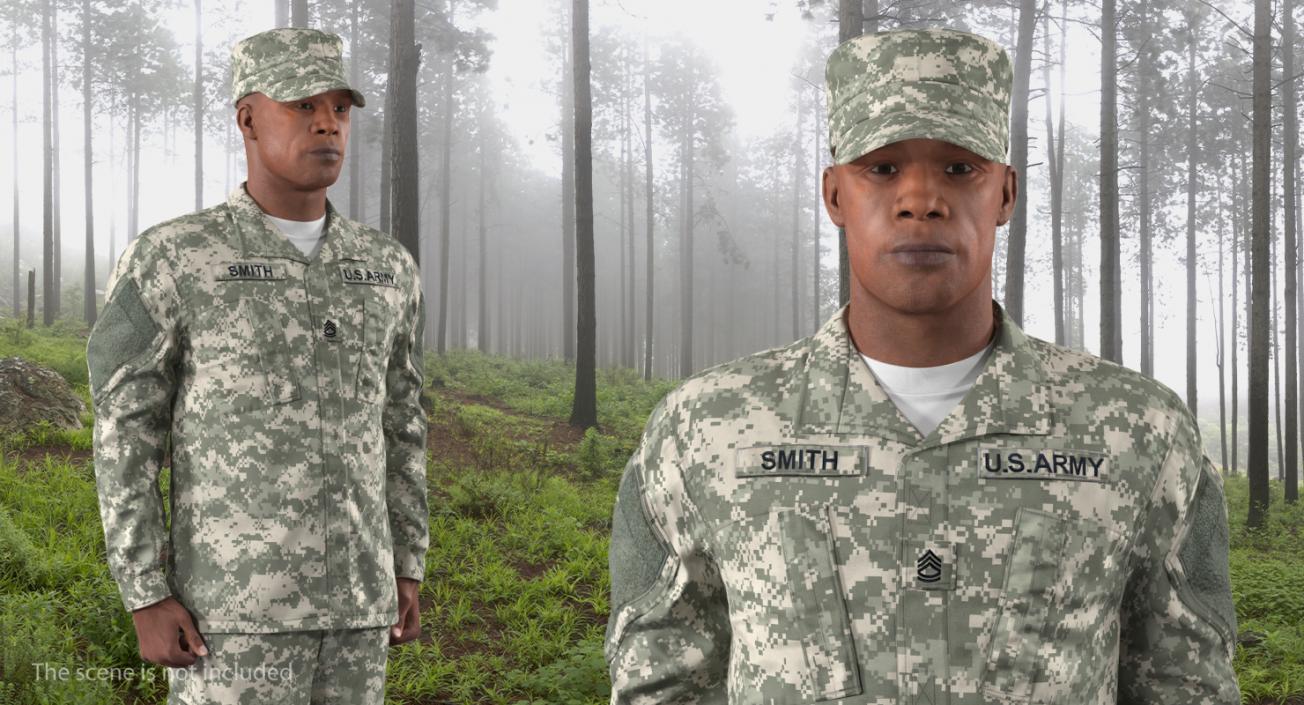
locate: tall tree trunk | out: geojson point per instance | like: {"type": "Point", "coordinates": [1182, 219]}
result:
{"type": "Point", "coordinates": [816, 211]}
{"type": "Point", "coordinates": [47, 237]}
{"type": "Point", "coordinates": [199, 105]}
{"type": "Point", "coordinates": [1257, 463]}
{"type": "Point", "coordinates": [404, 171]}
{"type": "Point", "coordinates": [89, 311]}
{"type": "Point", "coordinates": [1222, 344]}
{"type": "Point", "coordinates": [1079, 282]}
{"type": "Point", "coordinates": [445, 192]}
{"type": "Point", "coordinates": [1290, 147]}
{"type": "Point", "coordinates": [1110, 346]}
{"type": "Point", "coordinates": [298, 13]}
{"type": "Point", "coordinates": [1237, 236]}
{"type": "Point", "coordinates": [355, 120]}
{"type": "Point", "coordinates": [387, 142]}
{"type": "Point", "coordinates": [1274, 354]}
{"type": "Point", "coordinates": [459, 297]}
{"type": "Point", "coordinates": [631, 318]}
{"type": "Point", "coordinates": [584, 412]}
{"type": "Point", "coordinates": [1193, 91]}
{"type": "Point", "coordinates": [482, 295]}
{"type": "Point", "coordinates": [648, 198]}
{"type": "Point", "coordinates": [568, 203]}
{"type": "Point", "coordinates": [1247, 276]}
{"type": "Point", "coordinates": [282, 12]}
{"type": "Point", "coordinates": [795, 265]}
{"type": "Point", "coordinates": [625, 222]}
{"type": "Point", "coordinates": [128, 130]}
{"type": "Point", "coordinates": [851, 24]}
{"type": "Point", "coordinates": [686, 251]}
{"type": "Point", "coordinates": [1143, 204]}
{"type": "Point", "coordinates": [1056, 183]}
{"type": "Point", "coordinates": [13, 64]}
{"type": "Point", "coordinates": [1018, 230]}
{"type": "Point", "coordinates": [56, 174]}
{"type": "Point", "coordinates": [113, 202]}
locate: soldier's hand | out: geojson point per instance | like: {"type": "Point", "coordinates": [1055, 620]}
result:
{"type": "Point", "coordinates": [408, 626]}
{"type": "Point", "coordinates": [167, 634]}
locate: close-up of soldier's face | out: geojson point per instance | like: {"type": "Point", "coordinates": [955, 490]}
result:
{"type": "Point", "coordinates": [920, 217]}
{"type": "Point", "coordinates": [302, 142]}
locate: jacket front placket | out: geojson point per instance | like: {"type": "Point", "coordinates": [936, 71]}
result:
{"type": "Point", "coordinates": [913, 539]}
{"type": "Point", "coordinates": [326, 348]}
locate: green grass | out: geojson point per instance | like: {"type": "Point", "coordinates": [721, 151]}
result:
{"type": "Point", "coordinates": [61, 347]}
{"type": "Point", "coordinates": [1267, 570]}
{"type": "Point", "coordinates": [515, 597]}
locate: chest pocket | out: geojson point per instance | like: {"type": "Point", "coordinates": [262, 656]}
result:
{"type": "Point", "coordinates": [370, 301]}
{"type": "Point", "coordinates": [791, 636]}
{"type": "Point", "coordinates": [242, 360]}
{"type": "Point", "coordinates": [1058, 608]}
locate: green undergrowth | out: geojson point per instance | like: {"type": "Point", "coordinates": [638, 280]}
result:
{"type": "Point", "coordinates": [1267, 571]}
{"type": "Point", "coordinates": [546, 387]}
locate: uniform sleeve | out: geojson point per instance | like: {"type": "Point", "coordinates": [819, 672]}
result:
{"type": "Point", "coordinates": [405, 426]}
{"type": "Point", "coordinates": [1177, 621]}
{"type": "Point", "coordinates": [131, 355]}
{"type": "Point", "coordinates": [668, 633]}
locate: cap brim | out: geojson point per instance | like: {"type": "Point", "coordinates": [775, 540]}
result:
{"type": "Point", "coordinates": [305, 86]}
{"type": "Point", "coordinates": [961, 130]}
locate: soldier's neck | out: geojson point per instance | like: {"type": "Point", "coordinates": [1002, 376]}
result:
{"type": "Point", "coordinates": [278, 200]}
{"type": "Point", "coordinates": [920, 340]}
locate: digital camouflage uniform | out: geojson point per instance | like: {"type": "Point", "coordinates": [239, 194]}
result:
{"type": "Point", "coordinates": [289, 389]}
{"type": "Point", "coordinates": [783, 534]}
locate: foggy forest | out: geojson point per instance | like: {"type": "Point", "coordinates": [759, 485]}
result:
{"type": "Point", "coordinates": [1157, 223]}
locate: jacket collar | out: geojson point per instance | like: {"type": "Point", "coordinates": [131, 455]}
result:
{"type": "Point", "coordinates": [258, 237]}
{"type": "Point", "coordinates": [840, 395]}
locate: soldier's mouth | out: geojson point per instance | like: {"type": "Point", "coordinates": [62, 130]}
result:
{"type": "Point", "coordinates": [921, 258]}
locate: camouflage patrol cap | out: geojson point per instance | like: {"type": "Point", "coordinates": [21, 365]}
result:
{"type": "Point", "coordinates": [289, 63]}
{"type": "Point", "coordinates": [937, 83]}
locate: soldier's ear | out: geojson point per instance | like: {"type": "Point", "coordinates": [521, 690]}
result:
{"type": "Point", "coordinates": [244, 119]}
{"type": "Point", "coordinates": [1009, 192]}
{"type": "Point", "coordinates": [830, 191]}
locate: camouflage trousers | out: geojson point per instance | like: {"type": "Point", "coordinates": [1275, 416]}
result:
{"type": "Point", "coordinates": [315, 667]}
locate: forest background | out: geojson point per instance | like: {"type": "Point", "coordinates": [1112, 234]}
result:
{"type": "Point", "coordinates": [1157, 143]}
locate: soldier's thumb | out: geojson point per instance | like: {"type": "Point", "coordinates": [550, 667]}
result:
{"type": "Point", "coordinates": [192, 637]}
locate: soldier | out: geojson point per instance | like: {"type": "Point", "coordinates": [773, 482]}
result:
{"type": "Point", "coordinates": [286, 379]}
{"type": "Point", "coordinates": [920, 503]}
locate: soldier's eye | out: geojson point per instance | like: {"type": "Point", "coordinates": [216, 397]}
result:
{"type": "Point", "coordinates": [967, 168]}
{"type": "Point", "coordinates": [305, 105]}
{"type": "Point", "coordinates": [875, 168]}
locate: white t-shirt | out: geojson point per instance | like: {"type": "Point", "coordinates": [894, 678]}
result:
{"type": "Point", "coordinates": [925, 395]}
{"type": "Point", "coordinates": [307, 235]}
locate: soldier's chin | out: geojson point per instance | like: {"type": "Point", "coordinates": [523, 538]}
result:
{"type": "Point", "coordinates": [920, 300]}
{"type": "Point", "coordinates": [323, 178]}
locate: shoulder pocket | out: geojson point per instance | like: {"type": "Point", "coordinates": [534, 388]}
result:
{"type": "Point", "coordinates": [1204, 583]}
{"type": "Point", "coordinates": [637, 554]}
{"type": "Point", "coordinates": [124, 330]}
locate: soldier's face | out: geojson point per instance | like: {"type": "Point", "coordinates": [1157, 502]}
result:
{"type": "Point", "coordinates": [920, 218]}
{"type": "Point", "coordinates": [300, 143]}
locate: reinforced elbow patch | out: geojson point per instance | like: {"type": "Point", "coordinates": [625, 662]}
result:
{"type": "Point", "coordinates": [124, 329]}
{"type": "Point", "coordinates": [1204, 557]}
